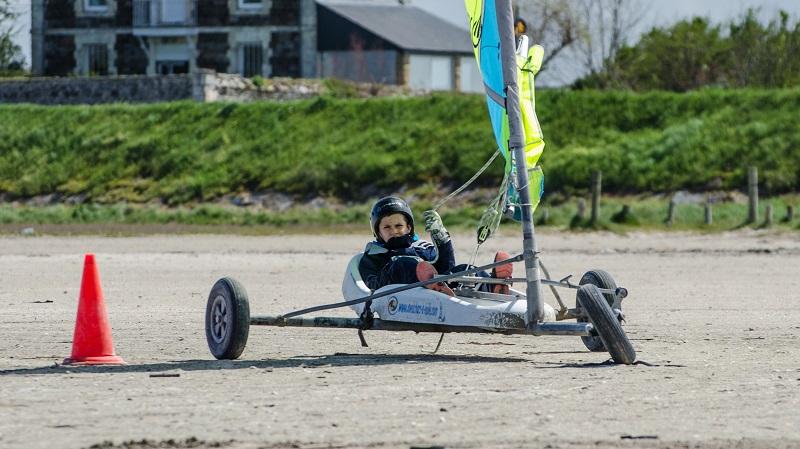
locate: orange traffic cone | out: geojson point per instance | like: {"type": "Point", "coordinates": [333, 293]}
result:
{"type": "Point", "coordinates": [91, 343]}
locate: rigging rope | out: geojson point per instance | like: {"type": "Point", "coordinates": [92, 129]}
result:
{"type": "Point", "coordinates": [470, 181]}
{"type": "Point", "coordinates": [493, 206]}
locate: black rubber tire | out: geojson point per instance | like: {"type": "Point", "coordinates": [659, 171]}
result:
{"type": "Point", "coordinates": [606, 324]}
{"type": "Point", "coordinates": [601, 279]}
{"type": "Point", "coordinates": [227, 319]}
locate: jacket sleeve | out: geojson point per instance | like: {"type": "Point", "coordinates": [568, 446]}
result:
{"type": "Point", "coordinates": [425, 250]}
{"type": "Point", "coordinates": [370, 267]}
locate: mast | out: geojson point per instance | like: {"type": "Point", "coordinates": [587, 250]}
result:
{"type": "Point", "coordinates": [516, 146]}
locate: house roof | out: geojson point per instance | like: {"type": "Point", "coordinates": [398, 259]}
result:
{"type": "Point", "coordinates": [407, 27]}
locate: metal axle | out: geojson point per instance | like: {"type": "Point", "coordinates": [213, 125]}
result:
{"type": "Point", "coordinates": [581, 329]}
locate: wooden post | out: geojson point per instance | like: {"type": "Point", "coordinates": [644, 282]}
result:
{"type": "Point", "coordinates": [545, 216]}
{"type": "Point", "coordinates": [752, 193]}
{"type": "Point", "coordinates": [789, 213]}
{"type": "Point", "coordinates": [709, 214]}
{"type": "Point", "coordinates": [671, 211]}
{"type": "Point", "coordinates": [768, 219]}
{"type": "Point", "coordinates": [581, 214]}
{"type": "Point", "coordinates": [623, 216]}
{"type": "Point", "coordinates": [597, 183]}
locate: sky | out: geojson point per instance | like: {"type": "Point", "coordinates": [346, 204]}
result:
{"type": "Point", "coordinates": [662, 12]}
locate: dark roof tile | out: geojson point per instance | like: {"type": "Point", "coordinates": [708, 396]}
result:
{"type": "Point", "coordinates": [408, 27]}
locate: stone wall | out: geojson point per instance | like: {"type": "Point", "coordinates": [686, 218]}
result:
{"type": "Point", "coordinates": [206, 85]}
{"type": "Point", "coordinates": [96, 90]}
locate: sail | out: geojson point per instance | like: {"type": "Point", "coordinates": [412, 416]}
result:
{"type": "Point", "coordinates": [485, 36]}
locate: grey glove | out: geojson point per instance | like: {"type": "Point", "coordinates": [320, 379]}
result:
{"type": "Point", "coordinates": [434, 226]}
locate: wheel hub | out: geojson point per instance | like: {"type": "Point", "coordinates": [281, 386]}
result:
{"type": "Point", "coordinates": [221, 319]}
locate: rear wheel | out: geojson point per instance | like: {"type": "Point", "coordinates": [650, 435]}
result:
{"type": "Point", "coordinates": [603, 280]}
{"type": "Point", "coordinates": [608, 328]}
{"type": "Point", "coordinates": [227, 319]}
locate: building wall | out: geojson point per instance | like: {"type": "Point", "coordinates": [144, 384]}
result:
{"type": "Point", "coordinates": [212, 38]}
{"type": "Point", "coordinates": [348, 51]}
{"type": "Point", "coordinates": [131, 57]}
{"type": "Point", "coordinates": [212, 51]}
{"type": "Point", "coordinates": [370, 66]}
{"type": "Point", "coordinates": [59, 54]}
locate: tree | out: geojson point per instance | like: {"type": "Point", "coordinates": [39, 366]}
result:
{"type": "Point", "coordinates": [765, 56]}
{"type": "Point", "coordinates": [10, 53]}
{"type": "Point", "coordinates": [694, 53]}
{"type": "Point", "coordinates": [604, 29]}
{"type": "Point", "coordinates": [689, 55]}
{"type": "Point", "coordinates": [552, 24]}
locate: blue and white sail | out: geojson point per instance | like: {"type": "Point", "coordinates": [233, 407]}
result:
{"type": "Point", "coordinates": [486, 41]}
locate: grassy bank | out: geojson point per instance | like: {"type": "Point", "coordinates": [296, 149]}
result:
{"type": "Point", "coordinates": [644, 214]}
{"type": "Point", "coordinates": [181, 153]}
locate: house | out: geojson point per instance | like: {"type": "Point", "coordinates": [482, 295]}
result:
{"type": "Point", "coordinates": [125, 37]}
{"type": "Point", "coordinates": [394, 44]}
{"type": "Point", "coordinates": [387, 43]}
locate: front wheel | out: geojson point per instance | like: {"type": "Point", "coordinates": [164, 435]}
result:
{"type": "Point", "coordinates": [607, 326]}
{"type": "Point", "coordinates": [227, 319]}
{"type": "Point", "coordinates": [604, 280]}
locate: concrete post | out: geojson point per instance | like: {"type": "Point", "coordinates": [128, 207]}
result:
{"type": "Point", "coordinates": [402, 68]}
{"type": "Point", "coordinates": [752, 193]}
{"type": "Point", "coordinates": [769, 216]}
{"type": "Point", "coordinates": [671, 212]}
{"type": "Point", "coordinates": [597, 183]}
{"type": "Point", "coordinates": [308, 39]}
{"type": "Point", "coordinates": [204, 83]}
{"type": "Point", "coordinates": [37, 37]}
{"type": "Point", "coordinates": [581, 213]}
{"type": "Point", "coordinates": [545, 216]}
{"type": "Point", "coordinates": [456, 68]}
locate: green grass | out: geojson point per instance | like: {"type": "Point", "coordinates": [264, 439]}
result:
{"type": "Point", "coordinates": [645, 214]}
{"type": "Point", "coordinates": [185, 153]}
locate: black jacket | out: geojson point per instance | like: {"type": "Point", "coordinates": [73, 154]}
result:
{"type": "Point", "coordinates": [377, 256]}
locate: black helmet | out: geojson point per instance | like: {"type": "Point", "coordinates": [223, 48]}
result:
{"type": "Point", "coordinates": [388, 206]}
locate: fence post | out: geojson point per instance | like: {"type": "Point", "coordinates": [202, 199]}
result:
{"type": "Point", "coordinates": [768, 219]}
{"type": "Point", "coordinates": [597, 183]}
{"type": "Point", "coordinates": [752, 193]}
{"type": "Point", "coordinates": [789, 213]}
{"type": "Point", "coordinates": [581, 209]}
{"type": "Point", "coordinates": [671, 211]}
{"type": "Point", "coordinates": [709, 214]}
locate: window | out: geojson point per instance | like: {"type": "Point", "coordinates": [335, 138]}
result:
{"type": "Point", "coordinates": [172, 67]}
{"type": "Point", "coordinates": [96, 5]}
{"type": "Point", "coordinates": [97, 55]}
{"type": "Point", "coordinates": [250, 3]}
{"type": "Point", "coordinates": [252, 59]}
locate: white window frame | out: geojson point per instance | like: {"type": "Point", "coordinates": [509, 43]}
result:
{"type": "Point", "coordinates": [88, 7]}
{"type": "Point", "coordinates": [84, 9]}
{"type": "Point", "coordinates": [239, 7]}
{"type": "Point", "coordinates": [258, 4]}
